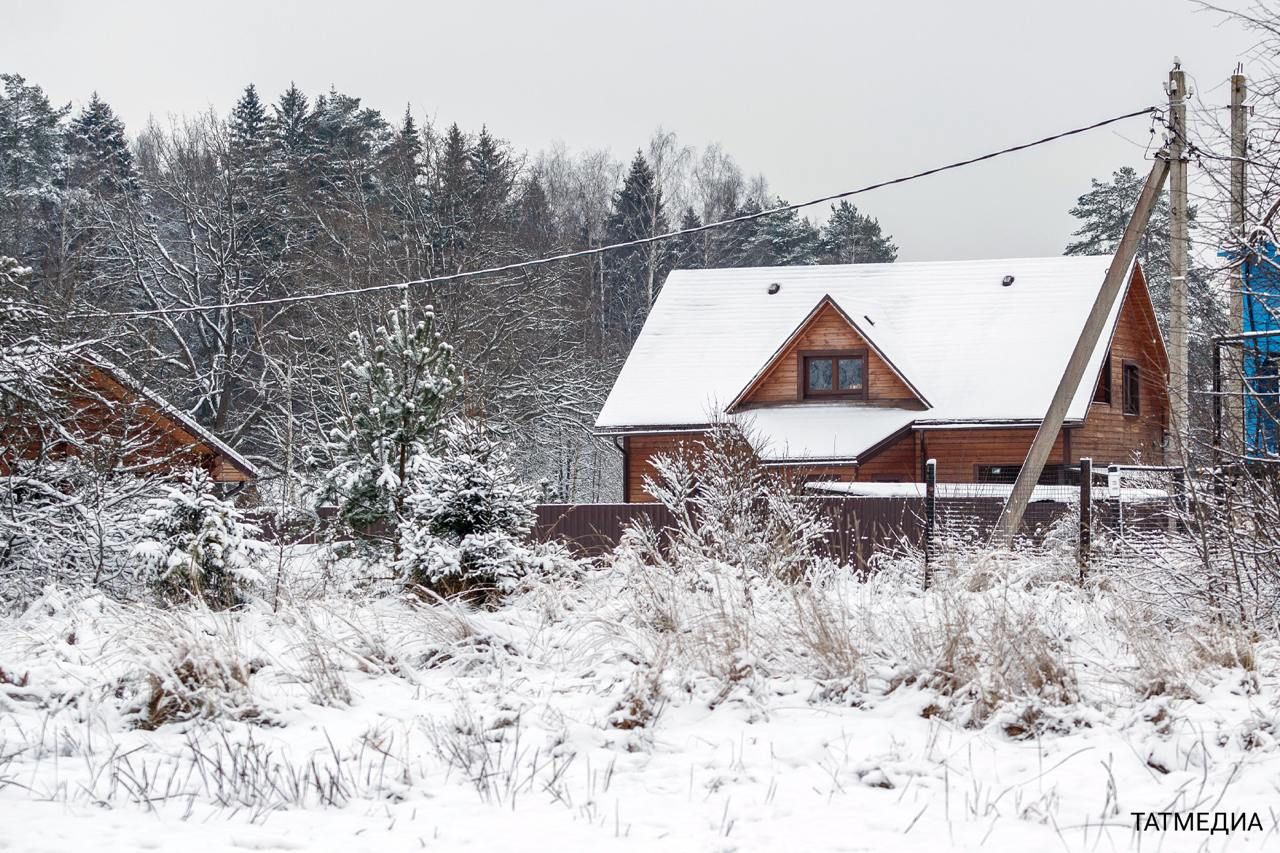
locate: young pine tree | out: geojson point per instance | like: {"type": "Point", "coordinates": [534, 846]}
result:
{"type": "Point", "coordinates": [470, 516]}
{"type": "Point", "coordinates": [401, 383]}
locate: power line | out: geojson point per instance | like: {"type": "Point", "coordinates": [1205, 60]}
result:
{"type": "Point", "coordinates": [642, 241]}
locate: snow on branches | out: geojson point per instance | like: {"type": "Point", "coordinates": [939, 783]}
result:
{"type": "Point", "coordinates": [197, 546]}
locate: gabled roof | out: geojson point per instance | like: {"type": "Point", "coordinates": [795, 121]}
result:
{"type": "Point", "coordinates": [824, 302]}
{"type": "Point", "coordinates": [977, 351]}
{"type": "Point", "coordinates": [179, 418]}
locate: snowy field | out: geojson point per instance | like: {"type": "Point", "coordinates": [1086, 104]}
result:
{"type": "Point", "coordinates": [639, 707]}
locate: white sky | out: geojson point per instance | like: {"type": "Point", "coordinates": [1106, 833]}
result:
{"type": "Point", "coordinates": [819, 96]}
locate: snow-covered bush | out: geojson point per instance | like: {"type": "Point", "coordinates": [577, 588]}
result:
{"type": "Point", "coordinates": [470, 486]}
{"type": "Point", "coordinates": [197, 546]}
{"type": "Point", "coordinates": [731, 511]}
{"type": "Point", "coordinates": [71, 523]}
{"type": "Point", "coordinates": [468, 519]}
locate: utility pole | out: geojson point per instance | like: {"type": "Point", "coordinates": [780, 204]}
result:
{"type": "Point", "coordinates": [1112, 284]}
{"type": "Point", "coordinates": [1180, 407]}
{"type": "Point", "coordinates": [1233, 435]}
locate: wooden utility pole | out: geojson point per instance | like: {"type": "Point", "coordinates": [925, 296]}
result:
{"type": "Point", "coordinates": [1112, 284]}
{"type": "Point", "coordinates": [1180, 405]}
{"type": "Point", "coordinates": [1233, 408]}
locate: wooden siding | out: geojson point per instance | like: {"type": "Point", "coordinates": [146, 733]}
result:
{"type": "Point", "coordinates": [828, 330]}
{"type": "Point", "coordinates": [1109, 435]}
{"type": "Point", "coordinates": [125, 430]}
{"type": "Point", "coordinates": [638, 459]}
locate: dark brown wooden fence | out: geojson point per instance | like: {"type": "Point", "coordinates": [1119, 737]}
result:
{"type": "Point", "coordinates": [860, 526]}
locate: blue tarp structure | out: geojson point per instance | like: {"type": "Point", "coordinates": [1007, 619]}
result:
{"type": "Point", "coordinates": [1260, 276]}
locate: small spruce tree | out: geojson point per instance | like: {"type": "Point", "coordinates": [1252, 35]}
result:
{"type": "Point", "coordinates": [197, 546]}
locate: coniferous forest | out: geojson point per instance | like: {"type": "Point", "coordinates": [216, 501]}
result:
{"type": "Point", "coordinates": [296, 193]}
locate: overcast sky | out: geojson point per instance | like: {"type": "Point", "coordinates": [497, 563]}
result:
{"type": "Point", "coordinates": [818, 97]}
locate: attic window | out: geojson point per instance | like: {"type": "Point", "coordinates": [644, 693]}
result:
{"type": "Point", "coordinates": [824, 375]}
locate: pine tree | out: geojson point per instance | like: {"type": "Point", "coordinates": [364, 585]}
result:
{"type": "Point", "coordinates": [470, 514]}
{"type": "Point", "coordinates": [850, 237]}
{"type": "Point", "coordinates": [778, 239]}
{"type": "Point", "coordinates": [688, 251]}
{"type": "Point", "coordinates": [401, 387]}
{"type": "Point", "coordinates": [198, 546]}
{"type": "Point", "coordinates": [98, 157]}
{"type": "Point", "coordinates": [1104, 212]}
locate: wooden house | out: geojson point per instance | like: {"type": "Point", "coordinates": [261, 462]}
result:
{"type": "Point", "coordinates": [105, 411]}
{"type": "Point", "coordinates": [862, 372]}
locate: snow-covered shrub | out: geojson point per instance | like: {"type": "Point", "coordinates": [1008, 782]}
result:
{"type": "Point", "coordinates": [468, 520]}
{"type": "Point", "coordinates": [733, 512]}
{"type": "Point", "coordinates": [470, 487]}
{"type": "Point", "coordinates": [72, 523]}
{"type": "Point", "coordinates": [197, 546]}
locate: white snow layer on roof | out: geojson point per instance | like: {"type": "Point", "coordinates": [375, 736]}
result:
{"type": "Point", "coordinates": [975, 349]}
{"type": "Point", "coordinates": [819, 431]}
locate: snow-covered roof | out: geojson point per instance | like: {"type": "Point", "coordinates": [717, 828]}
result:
{"type": "Point", "coordinates": [975, 349]}
{"type": "Point", "coordinates": [819, 431]}
{"type": "Point", "coordinates": [184, 420]}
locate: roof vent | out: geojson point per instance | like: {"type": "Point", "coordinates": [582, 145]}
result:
{"type": "Point", "coordinates": [774, 287]}
{"type": "Point", "coordinates": [1007, 281]}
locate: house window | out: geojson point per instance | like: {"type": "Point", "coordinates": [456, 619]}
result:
{"type": "Point", "coordinates": [1102, 392]}
{"type": "Point", "coordinates": [1132, 388]}
{"type": "Point", "coordinates": [1051, 475]}
{"type": "Point", "coordinates": [834, 374]}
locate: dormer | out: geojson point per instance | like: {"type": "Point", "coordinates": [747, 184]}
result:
{"type": "Point", "coordinates": [828, 358]}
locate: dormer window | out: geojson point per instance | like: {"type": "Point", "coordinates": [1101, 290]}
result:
{"type": "Point", "coordinates": [834, 374]}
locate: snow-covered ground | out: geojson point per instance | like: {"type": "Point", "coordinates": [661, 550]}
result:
{"type": "Point", "coordinates": [639, 708]}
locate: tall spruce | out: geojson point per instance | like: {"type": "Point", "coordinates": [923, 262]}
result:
{"type": "Point", "coordinates": [635, 274]}
{"type": "Point", "coordinates": [99, 160]}
{"type": "Point", "coordinates": [31, 161]}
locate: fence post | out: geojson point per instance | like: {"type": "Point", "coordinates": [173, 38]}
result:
{"type": "Point", "coordinates": [1086, 515]}
{"type": "Point", "coordinates": [930, 513]}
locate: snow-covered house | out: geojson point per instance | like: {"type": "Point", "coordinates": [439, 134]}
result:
{"type": "Point", "coordinates": [107, 409]}
{"type": "Point", "coordinates": [863, 372]}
